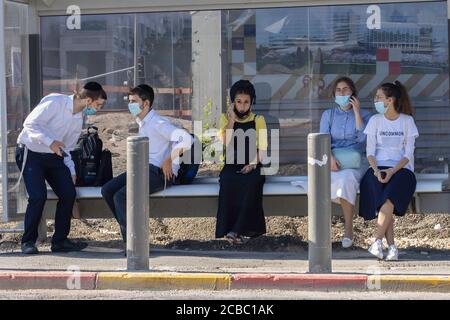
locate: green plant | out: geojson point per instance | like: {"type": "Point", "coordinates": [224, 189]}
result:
{"type": "Point", "coordinates": [209, 123]}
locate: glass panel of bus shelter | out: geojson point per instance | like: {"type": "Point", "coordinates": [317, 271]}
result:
{"type": "Point", "coordinates": [374, 44]}
{"type": "Point", "coordinates": [164, 59]}
{"type": "Point", "coordinates": [102, 50]}
{"type": "Point", "coordinates": [17, 98]}
{"type": "Point", "coordinates": [271, 48]}
{"type": "Point", "coordinates": [105, 44]}
{"type": "Point", "coordinates": [293, 55]}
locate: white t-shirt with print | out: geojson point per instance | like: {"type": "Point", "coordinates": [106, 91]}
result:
{"type": "Point", "coordinates": [391, 140]}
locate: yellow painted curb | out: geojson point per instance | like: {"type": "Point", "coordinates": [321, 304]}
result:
{"type": "Point", "coordinates": [162, 281]}
{"type": "Point", "coordinates": [408, 283]}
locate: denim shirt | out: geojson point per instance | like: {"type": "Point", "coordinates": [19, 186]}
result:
{"type": "Point", "coordinates": [343, 128]}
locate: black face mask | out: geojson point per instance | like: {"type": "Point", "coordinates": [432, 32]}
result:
{"type": "Point", "coordinates": [241, 115]}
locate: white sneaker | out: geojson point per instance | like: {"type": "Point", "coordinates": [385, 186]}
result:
{"type": "Point", "coordinates": [377, 249]}
{"type": "Point", "coordinates": [347, 243]}
{"type": "Point", "coordinates": [392, 253]}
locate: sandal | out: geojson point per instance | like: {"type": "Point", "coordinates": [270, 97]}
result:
{"type": "Point", "coordinates": [231, 237]}
{"type": "Point", "coordinates": [238, 240]}
{"type": "Point", "coordinates": [244, 239]}
{"type": "Point", "coordinates": [234, 239]}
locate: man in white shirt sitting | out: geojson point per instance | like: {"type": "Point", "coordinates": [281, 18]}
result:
{"type": "Point", "coordinates": [166, 144]}
{"type": "Point", "coordinates": [49, 133]}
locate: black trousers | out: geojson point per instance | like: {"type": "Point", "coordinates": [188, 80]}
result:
{"type": "Point", "coordinates": [39, 168]}
{"type": "Point", "coordinates": [115, 194]}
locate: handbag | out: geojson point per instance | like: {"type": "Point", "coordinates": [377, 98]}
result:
{"type": "Point", "coordinates": [348, 157]}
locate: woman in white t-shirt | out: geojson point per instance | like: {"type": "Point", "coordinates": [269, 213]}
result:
{"type": "Point", "coordinates": [389, 184]}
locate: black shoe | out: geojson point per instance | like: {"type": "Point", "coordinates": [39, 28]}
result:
{"type": "Point", "coordinates": [29, 248]}
{"type": "Point", "coordinates": [68, 246]}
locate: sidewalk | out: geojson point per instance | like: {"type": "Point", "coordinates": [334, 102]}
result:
{"type": "Point", "coordinates": [104, 268]}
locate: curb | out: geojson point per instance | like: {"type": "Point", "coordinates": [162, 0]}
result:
{"type": "Point", "coordinates": [299, 282]}
{"type": "Point", "coordinates": [162, 281]}
{"type": "Point", "coordinates": [47, 280]}
{"type": "Point", "coordinates": [411, 283]}
{"type": "Point", "coordinates": [19, 280]}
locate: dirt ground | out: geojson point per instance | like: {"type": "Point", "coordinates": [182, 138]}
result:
{"type": "Point", "coordinates": [431, 231]}
{"type": "Point", "coordinates": [287, 234]}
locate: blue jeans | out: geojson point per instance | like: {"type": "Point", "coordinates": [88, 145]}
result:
{"type": "Point", "coordinates": [41, 167]}
{"type": "Point", "coordinates": [115, 194]}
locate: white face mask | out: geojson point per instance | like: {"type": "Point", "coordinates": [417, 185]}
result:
{"type": "Point", "coordinates": [134, 108]}
{"type": "Point", "coordinates": [343, 101]}
{"type": "Point", "coordinates": [89, 111]}
{"type": "Point", "coordinates": [379, 106]}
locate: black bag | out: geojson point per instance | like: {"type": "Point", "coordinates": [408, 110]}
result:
{"type": "Point", "coordinates": [93, 166]}
{"type": "Point", "coordinates": [188, 171]}
{"type": "Point", "coordinates": [105, 170]}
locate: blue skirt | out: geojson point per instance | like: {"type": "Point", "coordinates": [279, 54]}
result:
{"type": "Point", "coordinates": [373, 194]}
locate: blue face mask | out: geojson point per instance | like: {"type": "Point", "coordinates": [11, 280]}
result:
{"type": "Point", "coordinates": [134, 108]}
{"type": "Point", "coordinates": [89, 111]}
{"type": "Point", "coordinates": [379, 106]}
{"type": "Point", "coordinates": [342, 101]}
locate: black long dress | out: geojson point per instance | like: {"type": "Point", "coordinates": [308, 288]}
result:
{"type": "Point", "coordinates": [241, 195]}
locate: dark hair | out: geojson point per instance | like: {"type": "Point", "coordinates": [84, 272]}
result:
{"type": "Point", "coordinates": [396, 90]}
{"type": "Point", "coordinates": [243, 87]}
{"type": "Point", "coordinates": [143, 91]}
{"type": "Point", "coordinates": [348, 81]}
{"type": "Point", "coordinates": [92, 90]}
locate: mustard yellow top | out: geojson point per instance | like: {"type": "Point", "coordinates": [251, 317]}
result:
{"type": "Point", "coordinates": [260, 124]}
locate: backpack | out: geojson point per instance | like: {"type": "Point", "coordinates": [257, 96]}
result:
{"type": "Point", "coordinates": [93, 165]}
{"type": "Point", "coordinates": [188, 171]}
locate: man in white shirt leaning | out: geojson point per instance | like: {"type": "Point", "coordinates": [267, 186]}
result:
{"type": "Point", "coordinates": [49, 133]}
{"type": "Point", "coordinates": [166, 144]}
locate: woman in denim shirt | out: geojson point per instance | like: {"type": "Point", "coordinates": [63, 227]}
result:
{"type": "Point", "coordinates": [346, 123]}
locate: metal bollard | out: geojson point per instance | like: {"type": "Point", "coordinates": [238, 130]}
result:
{"type": "Point", "coordinates": [319, 203]}
{"type": "Point", "coordinates": [138, 250]}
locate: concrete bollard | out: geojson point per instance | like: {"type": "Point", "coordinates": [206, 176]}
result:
{"type": "Point", "coordinates": [319, 203]}
{"type": "Point", "coordinates": [138, 250]}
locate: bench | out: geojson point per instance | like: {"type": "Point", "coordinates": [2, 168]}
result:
{"type": "Point", "coordinates": [281, 198]}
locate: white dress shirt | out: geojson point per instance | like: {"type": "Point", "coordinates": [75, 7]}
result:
{"type": "Point", "coordinates": [52, 119]}
{"type": "Point", "coordinates": [163, 137]}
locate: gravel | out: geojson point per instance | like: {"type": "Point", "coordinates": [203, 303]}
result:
{"type": "Point", "coordinates": [287, 234]}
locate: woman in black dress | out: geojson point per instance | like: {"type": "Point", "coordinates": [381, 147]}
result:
{"type": "Point", "coordinates": [240, 214]}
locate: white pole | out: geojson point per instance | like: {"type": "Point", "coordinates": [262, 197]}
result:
{"type": "Point", "coordinates": [137, 203]}
{"type": "Point", "coordinates": [3, 115]}
{"type": "Point", "coordinates": [135, 78]}
{"type": "Point", "coordinates": [319, 203]}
